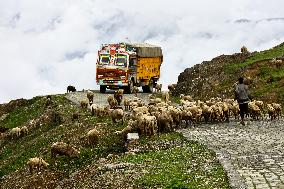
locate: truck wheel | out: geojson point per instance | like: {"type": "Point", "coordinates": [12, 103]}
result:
{"type": "Point", "coordinates": [148, 88]}
{"type": "Point", "coordinates": [102, 89]}
{"type": "Point", "coordinates": [129, 88]}
{"type": "Point", "coordinates": [151, 86]}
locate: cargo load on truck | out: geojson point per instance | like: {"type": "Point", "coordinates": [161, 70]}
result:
{"type": "Point", "coordinates": [125, 65]}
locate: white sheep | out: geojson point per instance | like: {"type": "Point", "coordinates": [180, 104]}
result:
{"type": "Point", "coordinates": [166, 96]}
{"type": "Point", "coordinates": [24, 130]}
{"type": "Point", "coordinates": [37, 162]}
{"type": "Point", "coordinates": [15, 132]}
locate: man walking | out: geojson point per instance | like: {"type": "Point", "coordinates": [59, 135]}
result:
{"type": "Point", "coordinates": [242, 96]}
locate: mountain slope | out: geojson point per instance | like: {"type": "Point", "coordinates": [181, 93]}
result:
{"type": "Point", "coordinates": [218, 76]}
{"type": "Point", "coordinates": [105, 165]}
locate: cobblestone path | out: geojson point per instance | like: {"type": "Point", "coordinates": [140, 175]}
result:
{"type": "Point", "coordinates": [253, 155]}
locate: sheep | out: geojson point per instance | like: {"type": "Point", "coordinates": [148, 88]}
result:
{"type": "Point", "coordinates": [118, 96]}
{"type": "Point", "coordinates": [36, 162]}
{"type": "Point", "coordinates": [109, 99]}
{"type": "Point", "coordinates": [271, 111]}
{"type": "Point", "coordinates": [244, 50]}
{"type": "Point", "coordinates": [71, 88]}
{"type": "Point", "coordinates": [132, 125]}
{"type": "Point", "coordinates": [126, 103]}
{"type": "Point", "coordinates": [48, 101]}
{"type": "Point", "coordinates": [158, 88]}
{"type": "Point", "coordinates": [277, 108]}
{"type": "Point", "coordinates": [196, 112]}
{"type": "Point", "coordinates": [61, 148]}
{"type": "Point", "coordinates": [90, 96]}
{"type": "Point", "coordinates": [94, 109]}
{"type": "Point", "coordinates": [172, 87]}
{"type": "Point", "coordinates": [101, 111]}
{"type": "Point", "coordinates": [93, 136]}
{"type": "Point", "coordinates": [235, 109]}
{"type": "Point", "coordinates": [117, 114]}
{"type": "Point", "coordinates": [24, 130]}
{"type": "Point", "coordinates": [254, 110]}
{"type": "Point", "coordinates": [260, 104]}
{"type": "Point", "coordinates": [164, 122]}
{"type": "Point", "coordinates": [166, 96]}
{"type": "Point", "coordinates": [112, 101]}
{"type": "Point", "coordinates": [147, 125]}
{"type": "Point", "coordinates": [207, 112]}
{"type": "Point", "coordinates": [143, 110]}
{"type": "Point", "coordinates": [186, 116]}
{"type": "Point", "coordinates": [15, 132]}
{"type": "Point", "coordinates": [276, 62]}
{"type": "Point", "coordinates": [155, 101]}
{"type": "Point", "coordinates": [135, 90]}
{"type": "Point", "coordinates": [75, 116]}
{"type": "Point", "coordinates": [186, 97]}
{"type": "Point", "coordinates": [84, 104]}
{"type": "Point", "coordinates": [176, 115]}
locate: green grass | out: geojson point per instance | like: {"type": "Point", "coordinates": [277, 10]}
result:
{"type": "Point", "coordinates": [15, 153]}
{"type": "Point", "coordinates": [21, 115]}
{"type": "Point", "coordinates": [183, 166]}
{"type": "Point", "coordinates": [275, 52]}
{"type": "Point", "coordinates": [188, 166]}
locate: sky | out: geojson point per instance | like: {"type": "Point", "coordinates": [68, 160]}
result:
{"type": "Point", "coordinates": [47, 45]}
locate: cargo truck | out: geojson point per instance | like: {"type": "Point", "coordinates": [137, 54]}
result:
{"type": "Point", "coordinates": [125, 65]}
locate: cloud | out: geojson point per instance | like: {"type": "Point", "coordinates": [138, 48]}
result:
{"type": "Point", "coordinates": [47, 45]}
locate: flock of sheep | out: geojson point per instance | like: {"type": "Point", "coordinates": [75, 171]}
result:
{"type": "Point", "coordinates": [156, 116]}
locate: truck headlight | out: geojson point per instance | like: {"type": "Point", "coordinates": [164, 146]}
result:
{"type": "Point", "coordinates": [122, 77]}
{"type": "Point", "coordinates": [99, 76]}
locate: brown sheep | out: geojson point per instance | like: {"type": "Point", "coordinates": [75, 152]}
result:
{"type": "Point", "coordinates": [158, 88]}
{"type": "Point", "coordinates": [93, 136]}
{"type": "Point", "coordinates": [244, 50]}
{"type": "Point", "coordinates": [37, 162]}
{"type": "Point", "coordinates": [61, 148]}
{"type": "Point", "coordinates": [117, 114]}
{"type": "Point", "coordinates": [75, 116]}
{"type": "Point", "coordinates": [135, 90]}
{"type": "Point", "coordinates": [172, 87]}
{"type": "Point", "coordinates": [278, 109]}
{"type": "Point", "coordinates": [118, 96]}
{"type": "Point", "coordinates": [84, 104]}
{"type": "Point", "coordinates": [126, 104]}
{"type": "Point", "coordinates": [90, 96]}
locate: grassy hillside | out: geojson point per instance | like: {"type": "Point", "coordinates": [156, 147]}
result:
{"type": "Point", "coordinates": [166, 160]}
{"type": "Point", "coordinates": [217, 77]}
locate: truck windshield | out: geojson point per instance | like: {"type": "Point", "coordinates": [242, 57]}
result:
{"type": "Point", "coordinates": [104, 59]}
{"type": "Point", "coordinates": [121, 60]}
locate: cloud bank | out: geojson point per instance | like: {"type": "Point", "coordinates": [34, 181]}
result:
{"type": "Point", "coordinates": [47, 45]}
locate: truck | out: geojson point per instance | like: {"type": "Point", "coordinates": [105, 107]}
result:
{"type": "Point", "coordinates": [125, 65]}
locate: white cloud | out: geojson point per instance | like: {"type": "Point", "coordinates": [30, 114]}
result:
{"type": "Point", "coordinates": [47, 45]}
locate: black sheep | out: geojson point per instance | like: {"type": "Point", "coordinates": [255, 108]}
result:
{"type": "Point", "coordinates": [71, 89]}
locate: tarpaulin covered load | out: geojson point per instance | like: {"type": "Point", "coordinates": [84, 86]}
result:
{"type": "Point", "coordinates": [147, 50]}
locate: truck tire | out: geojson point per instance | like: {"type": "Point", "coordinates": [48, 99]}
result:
{"type": "Point", "coordinates": [129, 88]}
{"type": "Point", "coordinates": [148, 88]}
{"type": "Point", "coordinates": [102, 89]}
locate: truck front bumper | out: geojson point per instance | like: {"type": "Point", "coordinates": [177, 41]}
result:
{"type": "Point", "coordinates": [112, 83]}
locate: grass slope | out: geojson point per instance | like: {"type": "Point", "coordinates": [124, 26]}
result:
{"type": "Point", "coordinates": [180, 165]}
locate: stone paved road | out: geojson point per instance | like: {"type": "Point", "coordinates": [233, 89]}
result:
{"type": "Point", "coordinates": [253, 155]}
